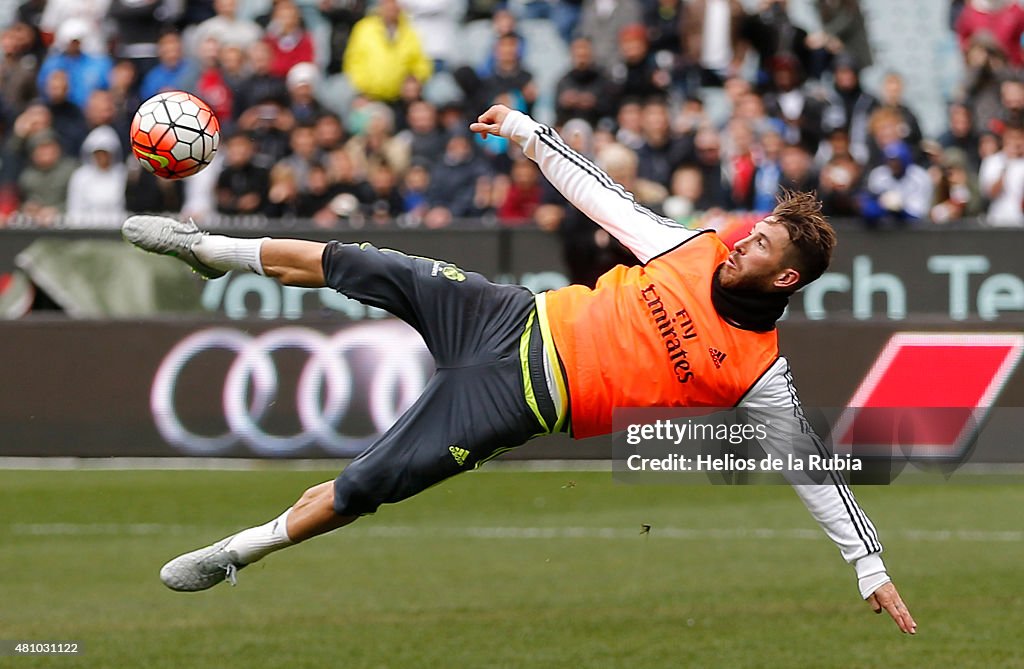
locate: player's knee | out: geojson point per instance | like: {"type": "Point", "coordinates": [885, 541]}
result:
{"type": "Point", "coordinates": [357, 492]}
{"type": "Point", "coordinates": [318, 495]}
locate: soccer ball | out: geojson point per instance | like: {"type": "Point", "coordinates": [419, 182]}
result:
{"type": "Point", "coordinates": [174, 134]}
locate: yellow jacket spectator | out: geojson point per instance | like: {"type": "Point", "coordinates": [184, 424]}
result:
{"type": "Point", "coordinates": [383, 51]}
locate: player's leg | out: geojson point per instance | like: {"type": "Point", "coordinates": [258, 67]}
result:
{"type": "Point", "coordinates": [312, 515]}
{"type": "Point", "coordinates": [291, 261]}
{"type": "Point", "coordinates": [464, 417]}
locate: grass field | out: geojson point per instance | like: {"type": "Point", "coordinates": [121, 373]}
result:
{"type": "Point", "coordinates": [505, 569]}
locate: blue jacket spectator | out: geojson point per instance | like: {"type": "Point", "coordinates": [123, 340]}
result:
{"type": "Point", "coordinates": [172, 69]}
{"type": "Point", "coordinates": [898, 190]}
{"type": "Point", "coordinates": [86, 72]}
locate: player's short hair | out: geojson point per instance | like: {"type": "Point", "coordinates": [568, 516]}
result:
{"type": "Point", "coordinates": [812, 236]}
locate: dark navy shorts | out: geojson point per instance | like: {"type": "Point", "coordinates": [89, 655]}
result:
{"type": "Point", "coordinates": [482, 337]}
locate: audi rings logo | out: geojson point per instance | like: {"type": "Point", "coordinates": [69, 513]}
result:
{"type": "Point", "coordinates": [382, 367]}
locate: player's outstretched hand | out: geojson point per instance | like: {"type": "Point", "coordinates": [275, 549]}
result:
{"type": "Point", "coordinates": [888, 599]}
{"type": "Point", "coordinates": [489, 123]}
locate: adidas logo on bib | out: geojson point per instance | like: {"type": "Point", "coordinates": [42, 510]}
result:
{"type": "Point", "coordinates": [717, 357]}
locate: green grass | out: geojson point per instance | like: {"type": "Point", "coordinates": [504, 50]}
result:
{"type": "Point", "coordinates": [431, 594]}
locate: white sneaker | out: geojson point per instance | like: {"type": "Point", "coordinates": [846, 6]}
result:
{"type": "Point", "coordinates": [166, 236]}
{"type": "Point", "coordinates": [201, 569]}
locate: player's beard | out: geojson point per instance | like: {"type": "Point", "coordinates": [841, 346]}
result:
{"type": "Point", "coordinates": [739, 279]}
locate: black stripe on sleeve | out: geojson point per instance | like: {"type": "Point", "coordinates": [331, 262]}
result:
{"type": "Point", "coordinates": [864, 528]}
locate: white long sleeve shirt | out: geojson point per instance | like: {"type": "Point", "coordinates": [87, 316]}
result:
{"type": "Point", "coordinates": [648, 235]}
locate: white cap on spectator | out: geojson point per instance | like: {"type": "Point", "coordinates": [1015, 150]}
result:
{"type": "Point", "coordinates": [303, 73]}
{"type": "Point", "coordinates": [70, 30]}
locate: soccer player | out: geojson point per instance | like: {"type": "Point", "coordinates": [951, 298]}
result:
{"type": "Point", "coordinates": [694, 325]}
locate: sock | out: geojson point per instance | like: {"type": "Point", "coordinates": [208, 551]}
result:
{"type": "Point", "coordinates": [256, 543]}
{"type": "Point", "coordinates": [230, 253]}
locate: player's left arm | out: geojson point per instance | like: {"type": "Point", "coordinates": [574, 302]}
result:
{"type": "Point", "coordinates": [774, 403]}
{"type": "Point", "coordinates": [585, 185]}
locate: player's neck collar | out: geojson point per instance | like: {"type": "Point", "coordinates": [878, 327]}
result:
{"type": "Point", "coordinates": [747, 309]}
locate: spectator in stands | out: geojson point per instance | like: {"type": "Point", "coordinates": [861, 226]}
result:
{"type": "Point", "coordinates": [329, 131]}
{"type": "Point", "coordinates": [508, 75]}
{"type": "Point", "coordinates": [424, 138]}
{"type": "Point", "coordinates": [342, 15]}
{"type": "Point", "coordinates": [454, 184]}
{"type": "Point", "coordinates": [986, 67]}
{"type": "Point", "coordinates": [1011, 95]}
{"type": "Point", "coordinates": [886, 127]}
{"type": "Point", "coordinates": [686, 203]}
{"type": "Point", "coordinates": [630, 131]}
{"type": "Point", "coordinates": [960, 134]}
{"type": "Point", "coordinates": [797, 167]}
{"type": "Point", "coordinates": [260, 86]}
{"type": "Point", "coordinates": [664, 22]}
{"type": "Point", "coordinates": [234, 72]}
{"type": "Point", "coordinates": [1002, 180]}
{"type": "Point", "coordinates": [282, 193]}
{"type": "Point", "coordinates": [957, 195]}
{"type": "Point", "coordinates": [801, 112]}
{"type": "Point", "coordinates": [85, 71]}
{"type": "Point", "coordinates": [851, 106]}
{"type": "Point", "coordinates": [1002, 19]}
{"type": "Point", "coordinates": [503, 23]}
{"type": "Point", "coordinates": [707, 157]}
{"type": "Point", "coordinates": [68, 120]}
{"type": "Point", "coordinates": [564, 14]}
{"type": "Point", "coordinates": [522, 197]}
{"type": "Point", "coordinates": [414, 190]}
{"type": "Point", "coordinates": [771, 32]}
{"type": "Point", "coordinates": [268, 124]}
{"type": "Point", "coordinates": [843, 30]}
{"type": "Point", "coordinates": [242, 186]}
{"type": "Point", "coordinates": [96, 192]}
{"type": "Point", "coordinates": [16, 153]}
{"type": "Point", "coordinates": [898, 191]}
{"type": "Point", "coordinates": [289, 41]}
{"type": "Point", "coordinates": [382, 51]}
{"type": "Point", "coordinates": [171, 70]}
{"type": "Point", "coordinates": [18, 67]}
{"type": "Point", "coordinates": [583, 92]}
{"type": "Point", "coordinates": [316, 195]}
{"type": "Point", "coordinates": [124, 96]}
{"type": "Point", "coordinates": [601, 21]}
{"type": "Point", "coordinates": [304, 154]}
{"type": "Point", "coordinates": [636, 75]}
{"type": "Point", "coordinates": [892, 98]}
{"type": "Point", "coordinates": [43, 184]}
{"type": "Point", "coordinates": [100, 111]}
{"type": "Point", "coordinates": [839, 185]}
{"type": "Point", "coordinates": [302, 81]}
{"type": "Point", "coordinates": [209, 82]}
{"type": "Point", "coordinates": [714, 45]}
{"type": "Point", "coordinates": [435, 23]}
{"type": "Point", "coordinates": [138, 25]}
{"type": "Point", "coordinates": [88, 18]}
{"type": "Point", "coordinates": [385, 202]}
{"type": "Point", "coordinates": [768, 171]}
{"type": "Point", "coordinates": [661, 152]}
{"type": "Point", "coordinates": [373, 139]}
{"type": "Point", "coordinates": [739, 164]}
{"type": "Point", "coordinates": [227, 27]}
{"type": "Point", "coordinates": [346, 178]}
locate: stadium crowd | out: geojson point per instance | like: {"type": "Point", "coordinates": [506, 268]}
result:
{"type": "Point", "coordinates": [343, 114]}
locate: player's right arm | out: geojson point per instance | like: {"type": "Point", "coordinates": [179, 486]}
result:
{"type": "Point", "coordinates": [773, 402]}
{"type": "Point", "coordinates": [586, 186]}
